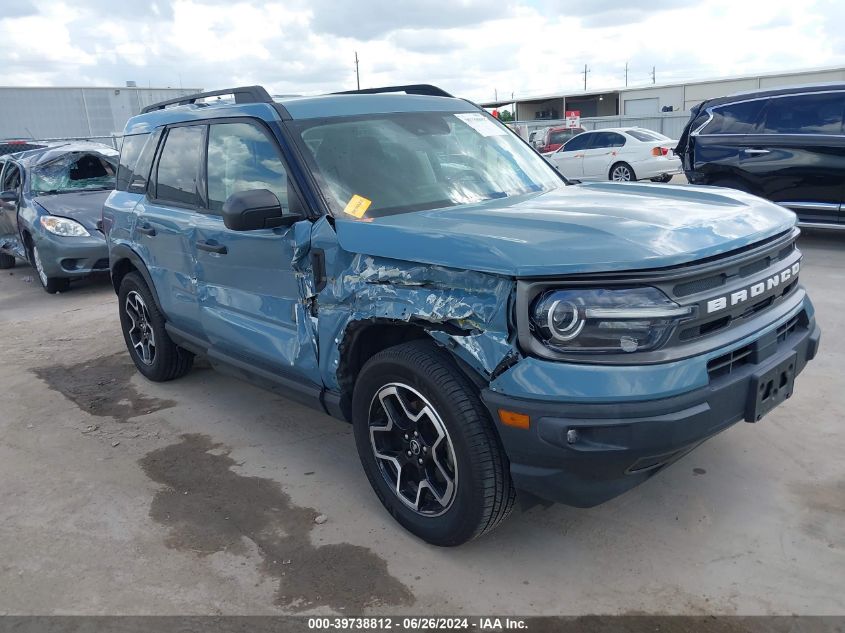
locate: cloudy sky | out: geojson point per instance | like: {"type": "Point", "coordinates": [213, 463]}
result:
{"type": "Point", "coordinates": [472, 48]}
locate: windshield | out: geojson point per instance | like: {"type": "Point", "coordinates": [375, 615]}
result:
{"type": "Point", "coordinates": [386, 164]}
{"type": "Point", "coordinates": [74, 172]}
{"type": "Point", "coordinates": [556, 138]}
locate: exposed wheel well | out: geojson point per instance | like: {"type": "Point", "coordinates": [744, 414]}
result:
{"type": "Point", "coordinates": [363, 340]}
{"type": "Point", "coordinates": [121, 268]}
{"type": "Point", "coordinates": [27, 247]}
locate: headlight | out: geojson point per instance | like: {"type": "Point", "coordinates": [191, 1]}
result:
{"type": "Point", "coordinates": [602, 321]}
{"type": "Point", "coordinates": [63, 226]}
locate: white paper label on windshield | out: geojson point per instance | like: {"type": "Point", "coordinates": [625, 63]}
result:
{"type": "Point", "coordinates": [481, 124]}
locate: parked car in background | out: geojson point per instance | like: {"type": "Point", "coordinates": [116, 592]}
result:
{"type": "Point", "coordinates": [404, 262]}
{"type": "Point", "coordinates": [619, 154]}
{"type": "Point", "coordinates": [786, 145]}
{"type": "Point", "coordinates": [557, 136]}
{"type": "Point", "coordinates": [51, 201]}
{"type": "Point", "coordinates": [15, 146]}
{"type": "Point", "coordinates": [537, 138]}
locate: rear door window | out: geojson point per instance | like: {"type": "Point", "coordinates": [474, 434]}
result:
{"type": "Point", "coordinates": [178, 165]}
{"type": "Point", "coordinates": [805, 114]}
{"type": "Point", "coordinates": [607, 139]}
{"type": "Point", "coordinates": [735, 118]}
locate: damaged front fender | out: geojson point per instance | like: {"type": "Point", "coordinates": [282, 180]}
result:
{"type": "Point", "coordinates": [465, 311]}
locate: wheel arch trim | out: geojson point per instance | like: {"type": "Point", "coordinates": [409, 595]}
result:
{"type": "Point", "coordinates": [120, 253]}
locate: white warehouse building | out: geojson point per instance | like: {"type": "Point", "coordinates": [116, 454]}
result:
{"type": "Point", "coordinates": [77, 112]}
{"type": "Point", "coordinates": [663, 108]}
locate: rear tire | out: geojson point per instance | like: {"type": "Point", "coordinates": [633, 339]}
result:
{"type": "Point", "coordinates": [6, 261]}
{"type": "Point", "coordinates": [621, 172]}
{"type": "Point", "coordinates": [435, 462]}
{"type": "Point", "coordinates": [155, 355]}
{"type": "Point", "coordinates": [51, 285]}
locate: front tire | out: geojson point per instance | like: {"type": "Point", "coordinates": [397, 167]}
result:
{"type": "Point", "coordinates": [155, 355]}
{"type": "Point", "coordinates": [428, 446]}
{"type": "Point", "coordinates": [51, 285]}
{"type": "Point", "coordinates": [621, 172]}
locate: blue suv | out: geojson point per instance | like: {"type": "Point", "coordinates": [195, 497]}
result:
{"type": "Point", "coordinates": [399, 259]}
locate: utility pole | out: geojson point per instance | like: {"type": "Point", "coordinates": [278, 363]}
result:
{"type": "Point", "coordinates": [653, 75]}
{"type": "Point", "coordinates": [357, 74]}
{"type": "Point", "coordinates": [586, 70]}
{"type": "Point", "coordinates": [495, 94]}
{"type": "Point", "coordinates": [626, 74]}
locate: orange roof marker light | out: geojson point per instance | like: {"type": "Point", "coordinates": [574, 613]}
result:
{"type": "Point", "coordinates": [516, 420]}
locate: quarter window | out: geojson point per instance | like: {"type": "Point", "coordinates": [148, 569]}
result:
{"type": "Point", "coordinates": [241, 157]}
{"type": "Point", "coordinates": [805, 114]}
{"type": "Point", "coordinates": [176, 179]}
{"type": "Point", "coordinates": [136, 157]}
{"type": "Point", "coordinates": [735, 118]}
{"type": "Point", "coordinates": [129, 153]}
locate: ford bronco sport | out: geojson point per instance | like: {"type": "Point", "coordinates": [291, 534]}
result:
{"type": "Point", "coordinates": [407, 263]}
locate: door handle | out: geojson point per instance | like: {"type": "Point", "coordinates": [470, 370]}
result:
{"type": "Point", "coordinates": [212, 248]}
{"type": "Point", "coordinates": [756, 151]}
{"type": "Point", "coordinates": [146, 229]}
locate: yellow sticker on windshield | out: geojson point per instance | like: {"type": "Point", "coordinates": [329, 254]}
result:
{"type": "Point", "coordinates": [357, 206]}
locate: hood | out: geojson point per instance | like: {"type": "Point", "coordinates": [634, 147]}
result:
{"type": "Point", "coordinates": [586, 228]}
{"type": "Point", "coordinates": [86, 207]}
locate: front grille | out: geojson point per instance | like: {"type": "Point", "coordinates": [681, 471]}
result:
{"type": "Point", "coordinates": [788, 328]}
{"type": "Point", "coordinates": [736, 278]}
{"type": "Point", "coordinates": [755, 267]}
{"type": "Point", "coordinates": [699, 285]}
{"type": "Point", "coordinates": [726, 363]}
{"type": "Point", "coordinates": [747, 269]}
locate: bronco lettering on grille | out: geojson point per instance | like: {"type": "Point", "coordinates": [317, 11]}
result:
{"type": "Point", "coordinates": [753, 291]}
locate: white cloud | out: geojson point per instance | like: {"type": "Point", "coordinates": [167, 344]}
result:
{"type": "Point", "coordinates": [470, 47]}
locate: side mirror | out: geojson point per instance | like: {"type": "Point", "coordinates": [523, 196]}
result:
{"type": "Point", "coordinates": [9, 196]}
{"type": "Point", "coordinates": [256, 209]}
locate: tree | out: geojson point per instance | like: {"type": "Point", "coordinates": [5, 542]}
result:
{"type": "Point", "coordinates": [505, 116]}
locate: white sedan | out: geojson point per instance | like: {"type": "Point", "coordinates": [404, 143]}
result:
{"type": "Point", "coordinates": [620, 154]}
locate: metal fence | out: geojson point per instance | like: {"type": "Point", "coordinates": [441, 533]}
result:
{"type": "Point", "coordinates": [671, 124]}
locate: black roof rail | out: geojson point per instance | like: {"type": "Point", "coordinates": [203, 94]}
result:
{"type": "Point", "coordinates": [411, 89]}
{"type": "Point", "coordinates": [244, 94]}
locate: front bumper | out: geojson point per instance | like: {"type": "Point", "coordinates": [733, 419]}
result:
{"type": "Point", "coordinates": [583, 454]}
{"type": "Point", "coordinates": [72, 256]}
